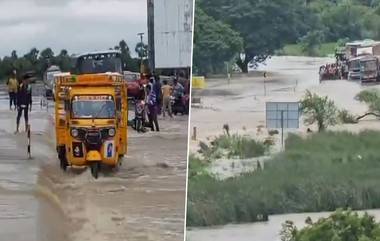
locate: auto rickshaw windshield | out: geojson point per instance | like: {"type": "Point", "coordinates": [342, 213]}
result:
{"type": "Point", "coordinates": [93, 107]}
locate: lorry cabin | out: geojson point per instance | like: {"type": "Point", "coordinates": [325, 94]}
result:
{"type": "Point", "coordinates": [369, 68]}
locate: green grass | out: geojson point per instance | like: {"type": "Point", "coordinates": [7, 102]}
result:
{"type": "Point", "coordinates": [322, 173]}
{"type": "Point", "coordinates": [296, 50]}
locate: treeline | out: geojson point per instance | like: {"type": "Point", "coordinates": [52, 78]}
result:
{"type": "Point", "coordinates": [38, 61]}
{"type": "Point", "coordinates": [224, 29]}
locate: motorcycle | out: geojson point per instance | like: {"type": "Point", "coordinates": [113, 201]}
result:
{"type": "Point", "coordinates": [140, 116]}
{"type": "Point", "coordinates": [178, 105]}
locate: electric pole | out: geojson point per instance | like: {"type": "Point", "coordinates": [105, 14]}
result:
{"type": "Point", "coordinates": [141, 51]}
{"type": "Point", "coordinates": [151, 52]}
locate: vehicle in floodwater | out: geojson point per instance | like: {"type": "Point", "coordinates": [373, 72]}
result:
{"type": "Point", "coordinates": [369, 69]}
{"type": "Point", "coordinates": [91, 112]}
{"type": "Point", "coordinates": [48, 80]}
{"type": "Point", "coordinates": [354, 69]}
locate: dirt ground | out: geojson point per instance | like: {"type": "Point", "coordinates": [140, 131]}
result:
{"type": "Point", "coordinates": [144, 200]}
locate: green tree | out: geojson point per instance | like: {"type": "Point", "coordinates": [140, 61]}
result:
{"type": "Point", "coordinates": [320, 110]}
{"type": "Point", "coordinates": [214, 43]}
{"type": "Point", "coordinates": [141, 50]}
{"type": "Point", "coordinates": [130, 63]}
{"type": "Point", "coordinates": [63, 60]}
{"type": "Point", "coordinates": [32, 56]}
{"type": "Point", "coordinates": [264, 25]}
{"type": "Point", "coordinates": [311, 42]}
{"type": "Point", "coordinates": [344, 20]}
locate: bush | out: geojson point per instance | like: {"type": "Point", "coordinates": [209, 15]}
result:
{"type": "Point", "coordinates": [323, 172]}
{"type": "Point", "coordinates": [371, 98]}
{"type": "Point", "coordinates": [341, 225]}
{"type": "Point", "coordinates": [320, 110]}
{"type": "Point", "coordinates": [346, 117]}
{"type": "Point", "coordinates": [233, 146]}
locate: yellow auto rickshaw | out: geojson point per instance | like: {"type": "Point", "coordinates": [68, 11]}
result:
{"type": "Point", "coordinates": [91, 114]}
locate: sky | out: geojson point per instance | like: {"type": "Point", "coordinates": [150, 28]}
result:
{"type": "Point", "coordinates": [75, 25]}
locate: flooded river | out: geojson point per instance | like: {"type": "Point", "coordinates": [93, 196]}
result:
{"type": "Point", "coordinates": [244, 110]}
{"type": "Point", "coordinates": [267, 231]}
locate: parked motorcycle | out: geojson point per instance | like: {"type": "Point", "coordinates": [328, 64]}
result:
{"type": "Point", "coordinates": [178, 105]}
{"type": "Point", "coordinates": [140, 114]}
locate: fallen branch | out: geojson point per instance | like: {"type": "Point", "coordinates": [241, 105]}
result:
{"type": "Point", "coordinates": [366, 114]}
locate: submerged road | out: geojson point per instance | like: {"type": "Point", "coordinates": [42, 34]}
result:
{"type": "Point", "coordinates": [24, 215]}
{"type": "Point", "coordinates": [144, 200]}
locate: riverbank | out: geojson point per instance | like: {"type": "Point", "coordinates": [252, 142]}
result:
{"type": "Point", "coordinates": [325, 50]}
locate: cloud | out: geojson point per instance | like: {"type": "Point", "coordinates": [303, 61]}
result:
{"type": "Point", "coordinates": [75, 25]}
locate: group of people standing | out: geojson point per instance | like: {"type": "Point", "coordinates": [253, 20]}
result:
{"type": "Point", "coordinates": [331, 71]}
{"type": "Point", "coordinates": [20, 96]}
{"type": "Point", "coordinates": [158, 99]}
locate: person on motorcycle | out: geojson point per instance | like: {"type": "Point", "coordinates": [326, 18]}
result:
{"type": "Point", "coordinates": [178, 90]}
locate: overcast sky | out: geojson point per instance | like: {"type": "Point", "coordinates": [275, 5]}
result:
{"type": "Point", "coordinates": [76, 25]}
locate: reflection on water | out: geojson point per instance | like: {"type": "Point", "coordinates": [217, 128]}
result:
{"type": "Point", "coordinates": [267, 231]}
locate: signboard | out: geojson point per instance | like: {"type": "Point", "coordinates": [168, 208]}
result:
{"type": "Point", "coordinates": [198, 82]}
{"type": "Point", "coordinates": [282, 115]}
{"type": "Point", "coordinates": [173, 33]}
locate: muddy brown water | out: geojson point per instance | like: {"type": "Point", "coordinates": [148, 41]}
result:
{"type": "Point", "coordinates": [25, 215]}
{"type": "Point", "coordinates": [300, 73]}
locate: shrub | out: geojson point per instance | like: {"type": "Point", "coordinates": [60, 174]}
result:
{"type": "Point", "coordinates": [341, 225]}
{"type": "Point", "coordinates": [319, 110]}
{"type": "Point", "coordinates": [346, 117]}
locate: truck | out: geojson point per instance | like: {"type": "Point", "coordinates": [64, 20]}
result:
{"type": "Point", "coordinates": [49, 82]}
{"type": "Point", "coordinates": [369, 69]}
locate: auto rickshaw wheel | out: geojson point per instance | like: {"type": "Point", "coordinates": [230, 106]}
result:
{"type": "Point", "coordinates": [62, 158]}
{"type": "Point", "coordinates": [95, 167]}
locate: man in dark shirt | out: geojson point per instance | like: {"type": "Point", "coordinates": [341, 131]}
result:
{"type": "Point", "coordinates": [24, 100]}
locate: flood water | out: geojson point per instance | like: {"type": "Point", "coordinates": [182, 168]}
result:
{"type": "Point", "coordinates": [25, 215]}
{"type": "Point", "coordinates": [300, 71]}
{"type": "Point", "coordinates": [266, 231]}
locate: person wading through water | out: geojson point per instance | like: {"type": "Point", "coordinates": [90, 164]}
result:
{"type": "Point", "coordinates": [24, 101]}
{"type": "Point", "coordinates": [12, 84]}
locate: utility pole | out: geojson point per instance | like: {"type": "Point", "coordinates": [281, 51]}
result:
{"type": "Point", "coordinates": [151, 52]}
{"type": "Point", "coordinates": [141, 53]}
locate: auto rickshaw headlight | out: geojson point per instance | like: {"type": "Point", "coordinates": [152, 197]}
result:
{"type": "Point", "coordinates": [111, 132]}
{"type": "Point", "coordinates": [74, 132]}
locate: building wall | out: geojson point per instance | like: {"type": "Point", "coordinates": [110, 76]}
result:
{"type": "Point", "coordinates": [173, 33]}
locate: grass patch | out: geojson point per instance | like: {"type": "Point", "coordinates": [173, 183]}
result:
{"type": "Point", "coordinates": [233, 146]}
{"type": "Point", "coordinates": [296, 50]}
{"type": "Point", "coordinates": [326, 171]}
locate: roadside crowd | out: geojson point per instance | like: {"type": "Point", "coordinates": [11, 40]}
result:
{"type": "Point", "coordinates": [331, 71]}
{"type": "Point", "coordinates": [161, 99]}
